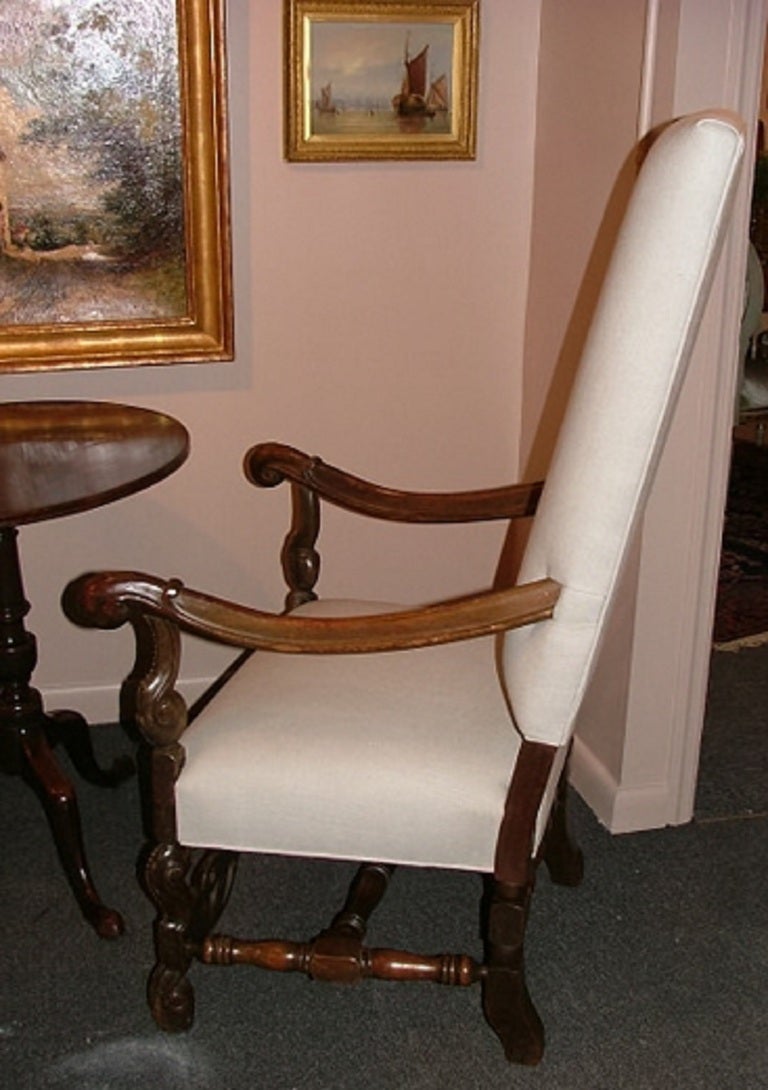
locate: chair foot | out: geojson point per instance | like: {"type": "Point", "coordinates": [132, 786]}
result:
{"type": "Point", "coordinates": [171, 999]}
{"type": "Point", "coordinates": [71, 730]}
{"type": "Point", "coordinates": [512, 1016]}
{"type": "Point", "coordinates": [506, 1003]}
{"type": "Point", "coordinates": [57, 794]}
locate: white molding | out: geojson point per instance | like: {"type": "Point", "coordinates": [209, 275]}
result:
{"type": "Point", "coordinates": [593, 781]}
{"type": "Point", "coordinates": [741, 79]}
{"type": "Point", "coordinates": [619, 808]}
{"type": "Point", "coordinates": [739, 88]}
{"type": "Point", "coordinates": [648, 72]}
{"type": "Point", "coordinates": [100, 703]}
{"type": "Point", "coordinates": [718, 61]}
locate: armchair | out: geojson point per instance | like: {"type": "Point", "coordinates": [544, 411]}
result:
{"type": "Point", "coordinates": [434, 736]}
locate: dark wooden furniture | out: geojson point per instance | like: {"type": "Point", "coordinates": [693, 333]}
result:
{"type": "Point", "coordinates": [191, 889]}
{"type": "Point", "coordinates": [57, 458]}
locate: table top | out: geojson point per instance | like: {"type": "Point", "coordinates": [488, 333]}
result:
{"type": "Point", "coordinates": [60, 457]}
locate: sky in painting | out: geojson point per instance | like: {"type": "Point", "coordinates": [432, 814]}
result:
{"type": "Point", "coordinates": [363, 61]}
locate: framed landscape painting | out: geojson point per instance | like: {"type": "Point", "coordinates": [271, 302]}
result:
{"type": "Point", "coordinates": [114, 197]}
{"type": "Point", "coordinates": [385, 79]}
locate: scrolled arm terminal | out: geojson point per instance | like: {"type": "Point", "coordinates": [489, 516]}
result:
{"type": "Point", "coordinates": [98, 599]}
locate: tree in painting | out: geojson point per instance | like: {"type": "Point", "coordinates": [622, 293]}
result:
{"type": "Point", "coordinates": [119, 113]}
{"type": "Point", "coordinates": [92, 164]}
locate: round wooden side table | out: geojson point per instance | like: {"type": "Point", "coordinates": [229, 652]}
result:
{"type": "Point", "coordinates": [58, 458]}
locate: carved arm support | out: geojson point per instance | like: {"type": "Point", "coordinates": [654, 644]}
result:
{"type": "Point", "coordinates": [270, 464]}
{"type": "Point", "coordinates": [109, 599]}
{"type": "Point", "coordinates": [299, 558]}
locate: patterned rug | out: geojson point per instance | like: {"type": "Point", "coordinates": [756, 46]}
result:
{"type": "Point", "coordinates": [741, 614]}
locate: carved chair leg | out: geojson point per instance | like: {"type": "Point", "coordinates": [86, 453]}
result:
{"type": "Point", "coordinates": [188, 909]}
{"type": "Point", "coordinates": [337, 953]}
{"type": "Point", "coordinates": [368, 887]}
{"type": "Point", "coordinates": [171, 996]}
{"type": "Point", "coordinates": [41, 771]}
{"type": "Point", "coordinates": [563, 857]}
{"type": "Point", "coordinates": [506, 1002]}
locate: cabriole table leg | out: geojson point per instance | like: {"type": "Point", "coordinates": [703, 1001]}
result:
{"type": "Point", "coordinates": [24, 746]}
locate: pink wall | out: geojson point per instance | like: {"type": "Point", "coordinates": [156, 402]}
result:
{"type": "Point", "coordinates": [587, 123]}
{"type": "Point", "coordinates": [380, 322]}
{"type": "Point", "coordinates": [589, 87]}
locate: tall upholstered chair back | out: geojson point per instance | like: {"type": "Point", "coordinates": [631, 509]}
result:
{"type": "Point", "coordinates": [619, 413]}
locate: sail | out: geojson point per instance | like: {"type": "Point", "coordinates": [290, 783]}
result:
{"type": "Point", "coordinates": [417, 73]}
{"type": "Point", "coordinates": [437, 99]}
{"type": "Point", "coordinates": [325, 102]}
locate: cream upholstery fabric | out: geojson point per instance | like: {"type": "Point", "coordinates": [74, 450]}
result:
{"type": "Point", "coordinates": [402, 757]}
{"type": "Point", "coordinates": [406, 757]}
{"type": "Point", "coordinates": [619, 413]}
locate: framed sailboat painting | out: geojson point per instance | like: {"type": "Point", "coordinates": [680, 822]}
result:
{"type": "Point", "coordinates": [380, 79]}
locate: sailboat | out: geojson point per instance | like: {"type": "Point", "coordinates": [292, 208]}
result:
{"type": "Point", "coordinates": [437, 99]}
{"type": "Point", "coordinates": [412, 99]}
{"type": "Point", "coordinates": [325, 103]}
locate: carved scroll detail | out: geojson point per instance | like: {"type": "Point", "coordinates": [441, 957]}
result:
{"type": "Point", "coordinates": [210, 887]}
{"type": "Point", "coordinates": [161, 712]}
{"type": "Point", "coordinates": [188, 908]}
{"type": "Point", "coordinates": [171, 997]}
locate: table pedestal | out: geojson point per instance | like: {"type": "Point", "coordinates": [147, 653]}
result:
{"type": "Point", "coordinates": [59, 458]}
{"type": "Point", "coordinates": [28, 736]}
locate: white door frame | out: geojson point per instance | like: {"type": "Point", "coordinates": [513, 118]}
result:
{"type": "Point", "coordinates": [717, 61]}
{"type": "Point", "coordinates": [739, 80]}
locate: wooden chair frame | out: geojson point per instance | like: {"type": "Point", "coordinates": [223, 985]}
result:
{"type": "Point", "coordinates": [190, 895]}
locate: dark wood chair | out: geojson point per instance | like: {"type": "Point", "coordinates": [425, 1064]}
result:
{"type": "Point", "coordinates": [58, 458]}
{"type": "Point", "coordinates": [432, 736]}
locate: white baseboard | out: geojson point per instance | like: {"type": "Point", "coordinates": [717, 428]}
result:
{"type": "Point", "coordinates": [621, 808]}
{"type": "Point", "coordinates": [101, 703]}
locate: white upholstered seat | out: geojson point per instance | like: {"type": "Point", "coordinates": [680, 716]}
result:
{"type": "Point", "coordinates": [401, 757]}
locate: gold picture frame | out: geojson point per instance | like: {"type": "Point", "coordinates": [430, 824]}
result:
{"type": "Point", "coordinates": [114, 186]}
{"type": "Point", "coordinates": [359, 79]}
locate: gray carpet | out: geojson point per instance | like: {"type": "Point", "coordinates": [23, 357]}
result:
{"type": "Point", "coordinates": [653, 974]}
{"type": "Point", "coordinates": [733, 765]}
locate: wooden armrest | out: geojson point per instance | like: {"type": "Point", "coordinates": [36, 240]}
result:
{"type": "Point", "coordinates": [109, 599]}
{"type": "Point", "coordinates": [269, 464]}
